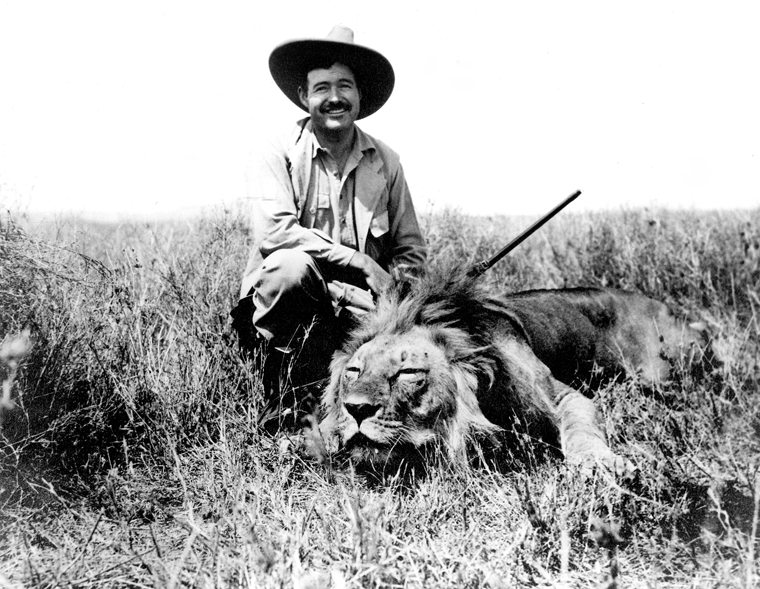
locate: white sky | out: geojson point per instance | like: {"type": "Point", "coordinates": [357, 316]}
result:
{"type": "Point", "coordinates": [150, 107]}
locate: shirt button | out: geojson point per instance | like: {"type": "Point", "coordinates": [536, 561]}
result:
{"type": "Point", "coordinates": [313, 210]}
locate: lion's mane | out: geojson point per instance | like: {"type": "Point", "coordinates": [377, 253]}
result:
{"type": "Point", "coordinates": [463, 320]}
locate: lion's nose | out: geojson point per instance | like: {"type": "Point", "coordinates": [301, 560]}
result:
{"type": "Point", "coordinates": [361, 411]}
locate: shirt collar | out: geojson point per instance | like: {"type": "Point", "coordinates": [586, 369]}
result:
{"type": "Point", "coordinates": [362, 142]}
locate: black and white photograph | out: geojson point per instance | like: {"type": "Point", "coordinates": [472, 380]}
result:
{"type": "Point", "coordinates": [406, 295]}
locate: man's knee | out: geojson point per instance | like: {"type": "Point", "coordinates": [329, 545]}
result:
{"type": "Point", "coordinates": [287, 269]}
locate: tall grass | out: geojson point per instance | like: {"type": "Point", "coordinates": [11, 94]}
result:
{"type": "Point", "coordinates": [131, 343]}
{"type": "Point", "coordinates": [131, 455]}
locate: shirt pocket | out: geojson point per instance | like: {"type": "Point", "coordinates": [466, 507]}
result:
{"type": "Point", "coordinates": [321, 215]}
{"type": "Point", "coordinates": [323, 200]}
{"type": "Point", "coordinates": [379, 225]}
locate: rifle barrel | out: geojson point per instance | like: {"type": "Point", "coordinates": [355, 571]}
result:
{"type": "Point", "coordinates": [481, 267]}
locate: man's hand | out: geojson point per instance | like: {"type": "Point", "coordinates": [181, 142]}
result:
{"type": "Point", "coordinates": [377, 279]}
{"type": "Point", "coordinates": [354, 298]}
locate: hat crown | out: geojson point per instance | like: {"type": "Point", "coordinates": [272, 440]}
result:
{"type": "Point", "coordinates": [341, 33]}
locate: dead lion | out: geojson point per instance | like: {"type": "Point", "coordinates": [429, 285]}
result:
{"type": "Point", "coordinates": [449, 363]}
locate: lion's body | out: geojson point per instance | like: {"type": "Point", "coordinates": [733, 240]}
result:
{"type": "Point", "coordinates": [577, 332]}
{"type": "Point", "coordinates": [448, 362]}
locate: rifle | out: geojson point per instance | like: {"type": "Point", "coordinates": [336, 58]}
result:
{"type": "Point", "coordinates": [481, 267]}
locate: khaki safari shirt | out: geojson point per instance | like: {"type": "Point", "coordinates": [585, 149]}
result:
{"type": "Point", "coordinates": [295, 205]}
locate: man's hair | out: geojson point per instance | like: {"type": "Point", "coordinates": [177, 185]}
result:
{"type": "Point", "coordinates": [326, 64]}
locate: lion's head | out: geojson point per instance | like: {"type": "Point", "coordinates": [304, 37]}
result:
{"type": "Point", "coordinates": [409, 376]}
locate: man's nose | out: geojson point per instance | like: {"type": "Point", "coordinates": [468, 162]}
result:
{"type": "Point", "coordinates": [334, 94]}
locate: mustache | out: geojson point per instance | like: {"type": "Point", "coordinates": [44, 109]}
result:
{"type": "Point", "coordinates": [333, 105]}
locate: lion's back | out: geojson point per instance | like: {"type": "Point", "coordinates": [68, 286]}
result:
{"type": "Point", "coordinates": [583, 334]}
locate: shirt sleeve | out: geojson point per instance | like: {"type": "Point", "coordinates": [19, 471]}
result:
{"type": "Point", "coordinates": [408, 249]}
{"type": "Point", "coordinates": [275, 215]}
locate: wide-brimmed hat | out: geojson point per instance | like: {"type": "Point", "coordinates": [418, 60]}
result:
{"type": "Point", "coordinates": [291, 61]}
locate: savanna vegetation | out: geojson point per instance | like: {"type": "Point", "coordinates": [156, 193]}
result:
{"type": "Point", "coordinates": [130, 452]}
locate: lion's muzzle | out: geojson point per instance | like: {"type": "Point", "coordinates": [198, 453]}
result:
{"type": "Point", "coordinates": [361, 411]}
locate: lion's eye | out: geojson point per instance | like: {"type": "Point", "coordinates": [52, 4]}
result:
{"type": "Point", "coordinates": [413, 371]}
{"type": "Point", "coordinates": [351, 372]}
{"type": "Point", "coordinates": [411, 374]}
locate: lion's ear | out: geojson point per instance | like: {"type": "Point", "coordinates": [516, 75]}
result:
{"type": "Point", "coordinates": [438, 336]}
{"type": "Point", "coordinates": [454, 342]}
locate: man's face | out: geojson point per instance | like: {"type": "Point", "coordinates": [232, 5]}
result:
{"type": "Point", "coordinates": [332, 98]}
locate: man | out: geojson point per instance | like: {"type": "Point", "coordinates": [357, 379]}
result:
{"type": "Point", "coordinates": [332, 214]}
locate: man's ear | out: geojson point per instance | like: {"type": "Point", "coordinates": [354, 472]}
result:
{"type": "Point", "coordinates": [303, 97]}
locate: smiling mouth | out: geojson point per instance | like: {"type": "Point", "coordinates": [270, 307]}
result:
{"type": "Point", "coordinates": [335, 109]}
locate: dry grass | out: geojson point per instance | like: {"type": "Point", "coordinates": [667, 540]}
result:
{"type": "Point", "coordinates": [131, 456]}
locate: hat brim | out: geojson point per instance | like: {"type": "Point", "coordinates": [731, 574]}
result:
{"type": "Point", "coordinates": [290, 62]}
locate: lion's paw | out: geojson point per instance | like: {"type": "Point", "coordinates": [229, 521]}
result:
{"type": "Point", "coordinates": [607, 462]}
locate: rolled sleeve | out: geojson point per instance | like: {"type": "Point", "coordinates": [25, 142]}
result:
{"type": "Point", "coordinates": [275, 213]}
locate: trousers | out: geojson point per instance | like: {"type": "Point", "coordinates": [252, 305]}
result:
{"type": "Point", "coordinates": [292, 290]}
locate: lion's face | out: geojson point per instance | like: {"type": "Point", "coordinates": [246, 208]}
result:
{"type": "Point", "coordinates": [396, 393]}
{"type": "Point", "coordinates": [393, 393]}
